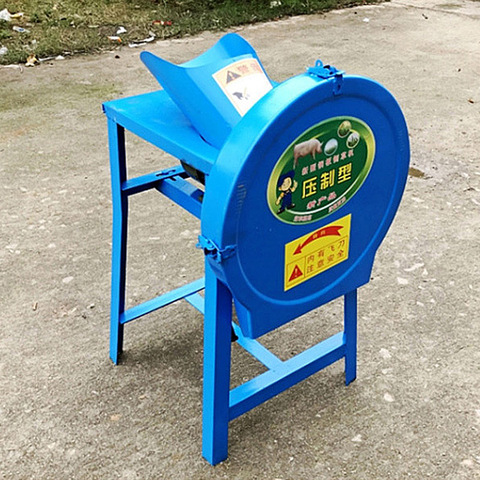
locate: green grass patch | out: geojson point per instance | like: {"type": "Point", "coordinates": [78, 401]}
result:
{"type": "Point", "coordinates": [64, 27]}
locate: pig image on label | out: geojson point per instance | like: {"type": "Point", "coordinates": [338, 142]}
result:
{"type": "Point", "coordinates": [310, 147]}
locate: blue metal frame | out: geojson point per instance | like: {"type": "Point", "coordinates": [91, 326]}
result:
{"type": "Point", "coordinates": [220, 404]}
{"type": "Point", "coordinates": [243, 240]}
{"type": "Point", "coordinates": [118, 170]}
{"type": "Point", "coordinates": [171, 183]}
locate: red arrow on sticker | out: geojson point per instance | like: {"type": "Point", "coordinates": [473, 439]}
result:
{"type": "Point", "coordinates": [321, 232]}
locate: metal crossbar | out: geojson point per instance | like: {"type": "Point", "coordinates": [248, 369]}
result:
{"type": "Point", "coordinates": [149, 306]}
{"type": "Point", "coordinates": [283, 375]}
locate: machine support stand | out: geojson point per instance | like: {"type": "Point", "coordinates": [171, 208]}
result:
{"type": "Point", "coordinates": [220, 404]}
{"type": "Point", "coordinates": [275, 251]}
{"type": "Point", "coordinates": [350, 336]}
{"type": "Point", "coordinates": [216, 367]}
{"type": "Point", "coordinates": [118, 170]}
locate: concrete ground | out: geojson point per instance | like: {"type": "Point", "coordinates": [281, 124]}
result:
{"type": "Point", "coordinates": [414, 411]}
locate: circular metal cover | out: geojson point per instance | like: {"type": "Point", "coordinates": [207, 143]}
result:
{"type": "Point", "coordinates": [302, 194]}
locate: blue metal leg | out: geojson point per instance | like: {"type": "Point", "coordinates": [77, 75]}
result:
{"type": "Point", "coordinates": [116, 143]}
{"type": "Point", "coordinates": [350, 336]}
{"type": "Point", "coordinates": [216, 367]}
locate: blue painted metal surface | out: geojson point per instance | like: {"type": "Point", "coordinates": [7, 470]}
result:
{"type": "Point", "coordinates": [256, 349]}
{"type": "Point", "coordinates": [260, 166]}
{"type": "Point", "coordinates": [216, 367]}
{"type": "Point", "coordinates": [118, 173]}
{"type": "Point", "coordinates": [155, 118]}
{"type": "Point", "coordinates": [187, 292]}
{"type": "Point", "coordinates": [169, 182]}
{"type": "Point", "coordinates": [194, 90]}
{"type": "Point", "coordinates": [274, 381]}
{"type": "Point", "coordinates": [240, 177]}
{"type": "Point", "coordinates": [350, 336]}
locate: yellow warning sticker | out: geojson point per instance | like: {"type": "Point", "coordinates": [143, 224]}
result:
{"type": "Point", "coordinates": [244, 83]}
{"type": "Point", "coordinates": [316, 252]}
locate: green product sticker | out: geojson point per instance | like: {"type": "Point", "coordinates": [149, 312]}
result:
{"type": "Point", "coordinates": [321, 170]}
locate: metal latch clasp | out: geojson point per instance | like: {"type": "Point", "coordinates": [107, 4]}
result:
{"type": "Point", "coordinates": [328, 71]}
{"type": "Point", "coordinates": [209, 248]}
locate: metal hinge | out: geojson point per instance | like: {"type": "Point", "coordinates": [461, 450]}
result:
{"type": "Point", "coordinates": [210, 249]}
{"type": "Point", "coordinates": [328, 71]}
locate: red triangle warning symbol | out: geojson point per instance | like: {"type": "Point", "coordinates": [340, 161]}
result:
{"type": "Point", "coordinates": [296, 273]}
{"type": "Point", "coordinates": [232, 76]}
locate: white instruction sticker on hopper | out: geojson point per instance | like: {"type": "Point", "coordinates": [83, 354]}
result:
{"type": "Point", "coordinates": [244, 83]}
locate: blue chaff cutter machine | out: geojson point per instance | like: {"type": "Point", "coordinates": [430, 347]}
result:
{"type": "Point", "coordinates": [301, 179]}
